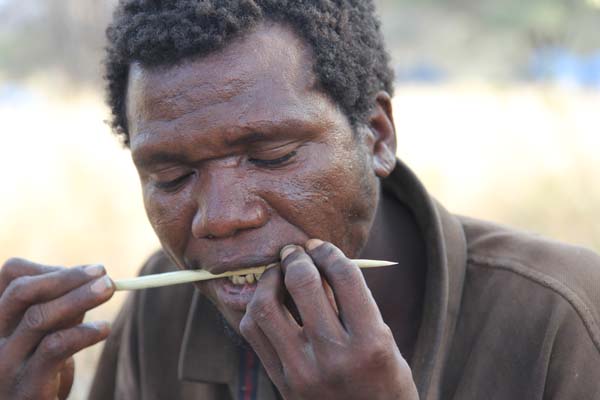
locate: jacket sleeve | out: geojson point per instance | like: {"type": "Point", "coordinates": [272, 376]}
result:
{"type": "Point", "coordinates": [140, 357]}
{"type": "Point", "coordinates": [117, 373]}
{"type": "Point", "coordinates": [574, 367]}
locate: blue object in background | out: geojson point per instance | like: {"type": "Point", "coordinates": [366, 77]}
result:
{"type": "Point", "coordinates": [559, 65]}
{"type": "Point", "coordinates": [422, 72]}
{"type": "Point", "coordinates": [14, 94]}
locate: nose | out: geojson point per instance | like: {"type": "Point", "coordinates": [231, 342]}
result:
{"type": "Point", "coordinates": [226, 207]}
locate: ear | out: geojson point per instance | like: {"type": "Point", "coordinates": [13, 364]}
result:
{"type": "Point", "coordinates": [381, 137]}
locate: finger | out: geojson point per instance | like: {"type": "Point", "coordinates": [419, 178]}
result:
{"type": "Point", "coordinates": [67, 373]}
{"type": "Point", "coordinates": [43, 318]}
{"type": "Point", "coordinates": [26, 290]}
{"type": "Point", "coordinates": [357, 307]}
{"type": "Point", "coordinates": [75, 321]}
{"type": "Point", "coordinates": [16, 267]}
{"type": "Point", "coordinates": [267, 310]}
{"type": "Point", "coordinates": [330, 297]}
{"type": "Point", "coordinates": [55, 349]}
{"type": "Point", "coordinates": [303, 282]}
{"type": "Point", "coordinates": [263, 349]}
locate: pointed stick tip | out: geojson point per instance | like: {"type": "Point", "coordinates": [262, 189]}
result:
{"type": "Point", "coordinates": [374, 263]}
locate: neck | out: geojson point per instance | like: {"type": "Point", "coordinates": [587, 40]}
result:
{"type": "Point", "coordinates": [398, 290]}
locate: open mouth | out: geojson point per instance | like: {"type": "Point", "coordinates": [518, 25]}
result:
{"type": "Point", "coordinates": [243, 279]}
{"type": "Point", "coordinates": [236, 292]}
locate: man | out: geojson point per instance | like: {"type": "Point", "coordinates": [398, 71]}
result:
{"type": "Point", "coordinates": [262, 132]}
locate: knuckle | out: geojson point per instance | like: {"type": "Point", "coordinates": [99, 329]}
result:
{"type": "Point", "coordinates": [301, 277]}
{"type": "Point", "coordinates": [344, 270]}
{"type": "Point", "coordinates": [35, 318]}
{"type": "Point", "coordinates": [54, 345]}
{"type": "Point", "coordinates": [377, 355]}
{"type": "Point", "coordinates": [10, 268]}
{"type": "Point", "coordinates": [13, 262]}
{"type": "Point", "coordinates": [262, 307]}
{"type": "Point", "coordinates": [325, 252]}
{"type": "Point", "coordinates": [384, 335]}
{"type": "Point", "coordinates": [247, 326]}
{"type": "Point", "coordinates": [18, 290]}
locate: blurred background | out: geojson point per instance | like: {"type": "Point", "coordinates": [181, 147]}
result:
{"type": "Point", "coordinates": [497, 109]}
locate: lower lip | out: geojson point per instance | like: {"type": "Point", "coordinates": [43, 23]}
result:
{"type": "Point", "coordinates": [235, 297]}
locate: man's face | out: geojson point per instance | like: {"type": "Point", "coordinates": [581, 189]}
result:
{"type": "Point", "coordinates": [240, 153]}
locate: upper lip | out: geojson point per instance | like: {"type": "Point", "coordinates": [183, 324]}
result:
{"type": "Point", "coordinates": [250, 248]}
{"type": "Point", "coordinates": [221, 266]}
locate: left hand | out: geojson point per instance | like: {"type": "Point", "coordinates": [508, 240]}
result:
{"type": "Point", "coordinates": [343, 349]}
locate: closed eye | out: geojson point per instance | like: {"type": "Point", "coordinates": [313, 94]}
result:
{"type": "Point", "coordinates": [272, 162]}
{"type": "Point", "coordinates": [173, 184]}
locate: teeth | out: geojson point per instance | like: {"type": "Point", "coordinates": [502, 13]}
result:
{"type": "Point", "coordinates": [243, 279]}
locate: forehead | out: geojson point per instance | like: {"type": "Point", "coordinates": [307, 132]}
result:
{"type": "Point", "coordinates": [260, 78]}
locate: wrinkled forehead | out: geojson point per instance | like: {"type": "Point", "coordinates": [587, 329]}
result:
{"type": "Point", "coordinates": [271, 60]}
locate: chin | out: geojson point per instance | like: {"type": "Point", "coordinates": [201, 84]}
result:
{"type": "Point", "coordinates": [231, 314]}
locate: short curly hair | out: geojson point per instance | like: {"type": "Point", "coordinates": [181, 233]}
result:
{"type": "Point", "coordinates": [351, 63]}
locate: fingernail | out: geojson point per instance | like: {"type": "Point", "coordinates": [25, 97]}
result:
{"type": "Point", "coordinates": [313, 244]}
{"type": "Point", "coordinates": [101, 285]}
{"type": "Point", "coordinates": [99, 325]}
{"type": "Point", "coordinates": [287, 250]}
{"type": "Point", "coordinates": [94, 270]}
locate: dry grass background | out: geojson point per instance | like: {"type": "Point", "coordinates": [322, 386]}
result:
{"type": "Point", "coordinates": [524, 156]}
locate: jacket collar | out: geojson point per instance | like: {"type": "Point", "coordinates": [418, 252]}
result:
{"type": "Point", "coordinates": [209, 356]}
{"type": "Point", "coordinates": [446, 265]}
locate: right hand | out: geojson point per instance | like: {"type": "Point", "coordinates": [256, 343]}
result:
{"type": "Point", "coordinates": [41, 314]}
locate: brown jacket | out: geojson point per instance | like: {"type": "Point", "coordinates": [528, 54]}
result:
{"type": "Point", "coordinates": [507, 315]}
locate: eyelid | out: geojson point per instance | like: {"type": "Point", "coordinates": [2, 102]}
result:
{"type": "Point", "coordinates": [273, 162]}
{"type": "Point", "coordinates": [275, 150]}
{"type": "Point", "coordinates": [173, 183]}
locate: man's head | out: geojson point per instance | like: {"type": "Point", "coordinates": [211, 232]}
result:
{"type": "Point", "coordinates": [241, 151]}
{"type": "Point", "coordinates": [350, 62]}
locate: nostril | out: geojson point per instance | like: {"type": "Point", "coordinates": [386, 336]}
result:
{"type": "Point", "coordinates": [226, 219]}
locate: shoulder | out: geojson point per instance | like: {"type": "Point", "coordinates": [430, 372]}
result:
{"type": "Point", "coordinates": [146, 311]}
{"type": "Point", "coordinates": [168, 302]}
{"type": "Point", "coordinates": [145, 339]}
{"type": "Point", "coordinates": [157, 263]}
{"type": "Point", "coordinates": [487, 240]}
{"type": "Point", "coordinates": [534, 274]}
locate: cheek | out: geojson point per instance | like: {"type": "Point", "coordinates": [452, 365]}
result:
{"type": "Point", "coordinates": [170, 217]}
{"type": "Point", "coordinates": [331, 198]}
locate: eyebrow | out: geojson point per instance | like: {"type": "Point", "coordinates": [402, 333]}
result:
{"type": "Point", "coordinates": [247, 139]}
{"type": "Point", "coordinates": [161, 157]}
{"type": "Point", "coordinates": [166, 157]}
{"type": "Point", "coordinates": [260, 132]}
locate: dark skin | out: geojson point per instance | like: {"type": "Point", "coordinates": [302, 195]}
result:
{"type": "Point", "coordinates": [41, 309]}
{"type": "Point", "coordinates": [242, 161]}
